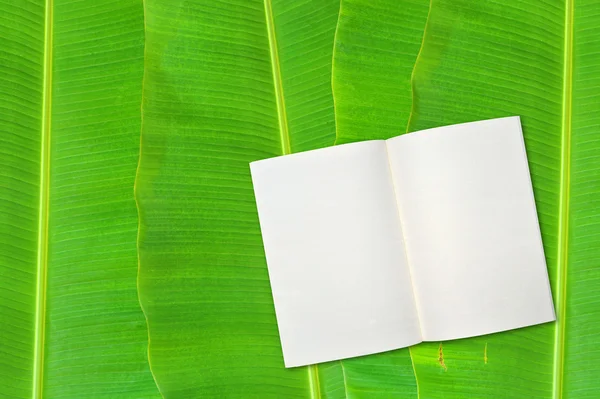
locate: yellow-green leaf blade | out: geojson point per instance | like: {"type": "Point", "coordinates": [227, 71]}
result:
{"type": "Point", "coordinates": [518, 72]}
{"type": "Point", "coordinates": [70, 132]}
{"type": "Point", "coordinates": [21, 96]}
{"type": "Point", "coordinates": [490, 59]}
{"type": "Point", "coordinates": [226, 83]}
{"type": "Point", "coordinates": [377, 43]}
{"type": "Point", "coordinates": [582, 311]}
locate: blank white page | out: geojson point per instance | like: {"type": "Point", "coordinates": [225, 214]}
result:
{"type": "Point", "coordinates": [335, 253]}
{"type": "Point", "coordinates": [470, 223]}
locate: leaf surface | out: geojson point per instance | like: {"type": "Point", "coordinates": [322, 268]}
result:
{"type": "Point", "coordinates": [539, 60]}
{"type": "Point", "coordinates": [70, 92]}
{"type": "Point", "coordinates": [226, 83]}
{"type": "Point", "coordinates": [376, 47]}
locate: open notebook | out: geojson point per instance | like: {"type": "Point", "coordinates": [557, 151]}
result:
{"type": "Point", "coordinates": [379, 245]}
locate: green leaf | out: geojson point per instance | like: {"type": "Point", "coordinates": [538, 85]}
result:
{"type": "Point", "coordinates": [376, 46]}
{"type": "Point", "coordinates": [226, 83]}
{"type": "Point", "coordinates": [539, 60]}
{"type": "Point", "coordinates": [70, 321]}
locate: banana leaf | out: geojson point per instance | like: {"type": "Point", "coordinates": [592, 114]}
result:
{"type": "Point", "coordinates": [376, 46]}
{"type": "Point", "coordinates": [539, 60]}
{"type": "Point", "coordinates": [226, 83]}
{"type": "Point", "coordinates": [70, 93]}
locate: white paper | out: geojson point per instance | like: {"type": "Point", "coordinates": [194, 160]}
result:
{"type": "Point", "coordinates": [471, 229]}
{"type": "Point", "coordinates": [335, 253]}
{"type": "Point", "coordinates": [379, 245]}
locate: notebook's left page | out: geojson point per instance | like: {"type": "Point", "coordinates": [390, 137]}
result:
{"type": "Point", "coordinates": [335, 253]}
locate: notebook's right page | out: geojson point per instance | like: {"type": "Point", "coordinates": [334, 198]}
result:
{"type": "Point", "coordinates": [471, 229]}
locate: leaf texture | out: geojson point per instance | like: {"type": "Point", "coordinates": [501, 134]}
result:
{"type": "Point", "coordinates": [581, 358]}
{"type": "Point", "coordinates": [376, 47]}
{"type": "Point", "coordinates": [538, 60]}
{"type": "Point", "coordinates": [226, 83]}
{"type": "Point", "coordinates": [70, 321]}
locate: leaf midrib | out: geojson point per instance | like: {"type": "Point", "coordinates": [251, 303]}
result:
{"type": "Point", "coordinates": [284, 137]}
{"type": "Point", "coordinates": [42, 245]}
{"type": "Point", "coordinates": [284, 134]}
{"type": "Point", "coordinates": [563, 223]}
